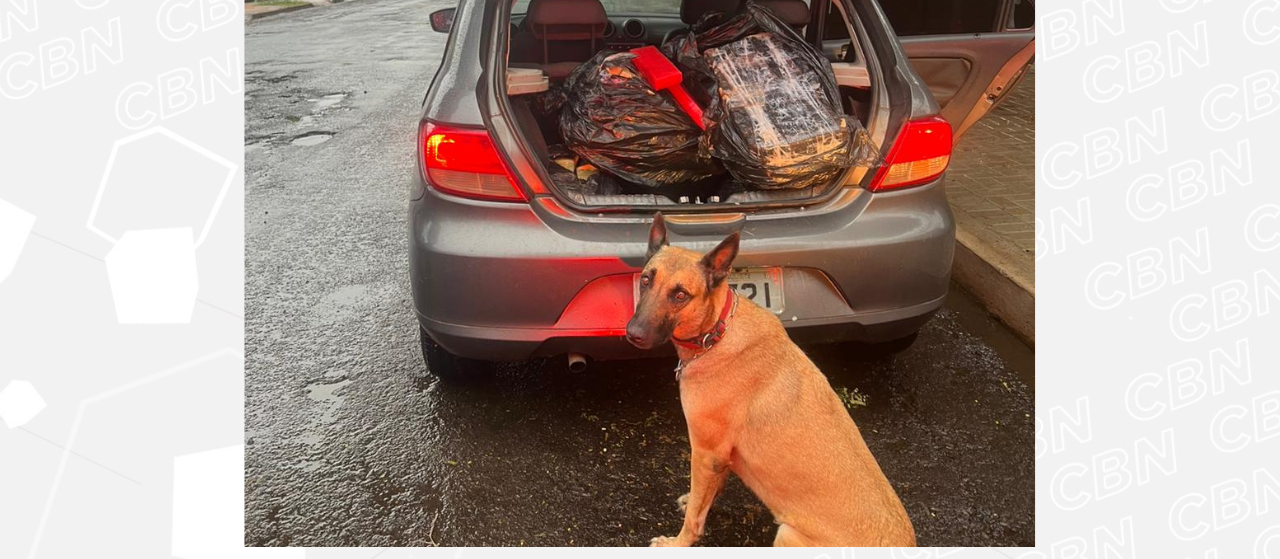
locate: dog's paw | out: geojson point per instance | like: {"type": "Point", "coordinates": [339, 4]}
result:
{"type": "Point", "coordinates": [682, 502]}
{"type": "Point", "coordinates": [663, 541]}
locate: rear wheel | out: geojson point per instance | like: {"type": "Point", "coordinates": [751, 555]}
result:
{"type": "Point", "coordinates": [877, 350]}
{"type": "Point", "coordinates": [448, 366]}
{"type": "Point", "coordinates": [895, 346]}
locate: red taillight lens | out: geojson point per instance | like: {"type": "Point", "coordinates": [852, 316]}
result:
{"type": "Point", "coordinates": [919, 154]}
{"type": "Point", "coordinates": [464, 162]}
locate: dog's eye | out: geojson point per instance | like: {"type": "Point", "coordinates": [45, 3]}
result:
{"type": "Point", "coordinates": [682, 296]}
{"type": "Point", "coordinates": [644, 280]}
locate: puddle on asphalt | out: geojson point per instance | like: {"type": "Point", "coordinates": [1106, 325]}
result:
{"type": "Point", "coordinates": [349, 301]}
{"type": "Point", "coordinates": [281, 78]}
{"type": "Point", "coordinates": [335, 306]}
{"type": "Point", "coordinates": [328, 101]}
{"type": "Point", "coordinates": [257, 142]}
{"type": "Point", "coordinates": [971, 316]}
{"type": "Point", "coordinates": [311, 139]}
{"type": "Point", "coordinates": [345, 296]}
{"type": "Point", "coordinates": [325, 394]}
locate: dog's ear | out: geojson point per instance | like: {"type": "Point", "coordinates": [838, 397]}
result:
{"type": "Point", "coordinates": [719, 261]}
{"type": "Point", "coordinates": [657, 235]}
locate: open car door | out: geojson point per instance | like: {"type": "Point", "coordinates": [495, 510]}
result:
{"type": "Point", "coordinates": [969, 52]}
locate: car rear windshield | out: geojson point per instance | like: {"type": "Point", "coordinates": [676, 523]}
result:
{"type": "Point", "coordinates": [621, 6]}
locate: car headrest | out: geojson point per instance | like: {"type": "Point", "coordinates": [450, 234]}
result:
{"type": "Point", "coordinates": [567, 20]}
{"type": "Point", "coordinates": [792, 12]}
{"type": "Point", "coordinates": [693, 10]}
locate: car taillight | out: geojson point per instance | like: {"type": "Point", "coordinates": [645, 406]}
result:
{"type": "Point", "coordinates": [464, 162]}
{"type": "Point", "coordinates": [919, 154]}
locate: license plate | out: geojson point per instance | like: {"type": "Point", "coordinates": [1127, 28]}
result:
{"type": "Point", "coordinates": [762, 286]}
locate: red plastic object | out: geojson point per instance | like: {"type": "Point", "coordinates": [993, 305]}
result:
{"type": "Point", "coordinates": [661, 74]}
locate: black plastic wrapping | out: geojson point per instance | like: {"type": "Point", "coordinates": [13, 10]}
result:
{"type": "Point", "coordinates": [613, 119]}
{"type": "Point", "coordinates": [776, 120]}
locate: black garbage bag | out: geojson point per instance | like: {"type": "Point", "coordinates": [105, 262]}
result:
{"type": "Point", "coordinates": [776, 121]}
{"type": "Point", "coordinates": [613, 119]}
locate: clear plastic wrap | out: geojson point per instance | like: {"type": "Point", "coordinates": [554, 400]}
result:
{"type": "Point", "coordinates": [613, 119]}
{"type": "Point", "coordinates": [776, 117]}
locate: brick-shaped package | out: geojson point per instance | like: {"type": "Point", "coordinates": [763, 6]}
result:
{"type": "Point", "coordinates": [777, 120]}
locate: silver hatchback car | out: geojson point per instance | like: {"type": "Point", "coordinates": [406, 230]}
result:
{"type": "Point", "coordinates": [507, 263]}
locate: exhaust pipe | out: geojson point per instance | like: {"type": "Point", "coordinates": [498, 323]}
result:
{"type": "Point", "coordinates": [577, 362]}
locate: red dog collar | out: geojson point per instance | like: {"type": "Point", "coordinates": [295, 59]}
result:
{"type": "Point", "coordinates": [709, 339]}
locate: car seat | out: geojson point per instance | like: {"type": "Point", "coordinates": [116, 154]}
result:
{"type": "Point", "coordinates": [792, 12]}
{"type": "Point", "coordinates": [557, 36]}
{"type": "Point", "coordinates": [692, 10]}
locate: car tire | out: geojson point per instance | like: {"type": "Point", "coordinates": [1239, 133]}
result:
{"type": "Point", "coordinates": [450, 367]}
{"type": "Point", "coordinates": [878, 350]}
{"type": "Point", "coordinates": [896, 346]}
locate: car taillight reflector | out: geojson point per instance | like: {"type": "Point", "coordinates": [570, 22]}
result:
{"type": "Point", "coordinates": [919, 154]}
{"type": "Point", "coordinates": [465, 163]}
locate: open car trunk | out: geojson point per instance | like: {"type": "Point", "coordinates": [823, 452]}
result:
{"type": "Point", "coordinates": [570, 176]}
{"type": "Point", "coordinates": [542, 135]}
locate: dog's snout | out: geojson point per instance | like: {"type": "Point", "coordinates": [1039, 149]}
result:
{"type": "Point", "coordinates": [636, 336]}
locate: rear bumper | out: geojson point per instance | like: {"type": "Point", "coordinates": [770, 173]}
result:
{"type": "Point", "coordinates": [510, 281]}
{"type": "Point", "coordinates": [497, 343]}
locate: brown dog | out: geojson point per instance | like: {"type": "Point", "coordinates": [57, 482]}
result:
{"type": "Point", "coordinates": [757, 406]}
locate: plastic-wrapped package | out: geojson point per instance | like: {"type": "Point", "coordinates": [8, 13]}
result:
{"type": "Point", "coordinates": [778, 122]}
{"type": "Point", "coordinates": [613, 119]}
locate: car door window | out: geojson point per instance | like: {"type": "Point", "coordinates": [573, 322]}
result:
{"type": "Point", "coordinates": [1023, 15]}
{"type": "Point", "coordinates": [642, 6]}
{"type": "Point", "coordinates": [621, 6]}
{"type": "Point", "coordinates": [834, 28]}
{"type": "Point", "coordinates": [942, 17]}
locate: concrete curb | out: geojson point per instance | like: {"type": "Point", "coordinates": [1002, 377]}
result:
{"type": "Point", "coordinates": [991, 269]}
{"type": "Point", "coordinates": [283, 10]}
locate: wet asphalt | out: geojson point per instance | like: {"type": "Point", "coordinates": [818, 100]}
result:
{"type": "Point", "coordinates": [351, 442]}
